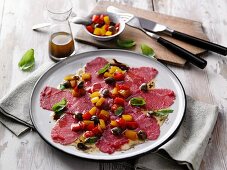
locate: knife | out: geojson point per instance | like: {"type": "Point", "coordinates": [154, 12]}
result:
{"type": "Point", "coordinates": [156, 27]}
{"type": "Point", "coordinates": [197, 61]}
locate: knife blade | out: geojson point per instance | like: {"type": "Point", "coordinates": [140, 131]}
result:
{"type": "Point", "coordinates": [199, 62]}
{"type": "Point", "coordinates": [156, 27]}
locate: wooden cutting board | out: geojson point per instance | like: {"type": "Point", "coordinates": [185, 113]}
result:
{"type": "Point", "coordinates": [184, 25]}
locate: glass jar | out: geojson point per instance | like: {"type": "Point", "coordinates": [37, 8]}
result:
{"type": "Point", "coordinates": [61, 43]}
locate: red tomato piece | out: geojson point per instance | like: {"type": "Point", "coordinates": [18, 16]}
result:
{"type": "Point", "coordinates": [82, 125]}
{"type": "Point", "coordinates": [90, 29]}
{"type": "Point", "coordinates": [123, 87]}
{"type": "Point", "coordinates": [95, 18]}
{"type": "Point", "coordinates": [114, 107]}
{"type": "Point", "coordinates": [90, 126]}
{"type": "Point", "coordinates": [117, 25]}
{"type": "Point", "coordinates": [96, 130]}
{"type": "Point", "coordinates": [101, 17]}
{"type": "Point", "coordinates": [75, 127]}
{"type": "Point", "coordinates": [119, 76]}
{"type": "Point", "coordinates": [131, 125]}
{"type": "Point", "coordinates": [86, 116]}
{"type": "Point", "coordinates": [121, 122]}
{"type": "Point", "coordinates": [119, 101]}
{"type": "Point", "coordinates": [88, 134]}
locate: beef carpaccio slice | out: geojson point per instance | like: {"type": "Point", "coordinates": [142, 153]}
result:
{"type": "Point", "coordinates": [92, 67]}
{"type": "Point", "coordinates": [49, 96]}
{"type": "Point", "coordinates": [134, 77]}
{"type": "Point", "coordinates": [62, 133]}
{"type": "Point", "coordinates": [109, 143]}
{"type": "Point", "coordinates": [157, 98]}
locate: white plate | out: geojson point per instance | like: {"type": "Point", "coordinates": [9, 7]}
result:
{"type": "Point", "coordinates": [165, 79]}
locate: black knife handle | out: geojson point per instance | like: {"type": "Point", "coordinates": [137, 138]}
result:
{"type": "Point", "coordinates": [199, 62]}
{"type": "Point", "coordinates": [200, 43]}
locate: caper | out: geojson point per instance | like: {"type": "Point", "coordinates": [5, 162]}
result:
{"type": "Point", "coordinates": [150, 113]}
{"type": "Point", "coordinates": [79, 116]}
{"type": "Point", "coordinates": [64, 85]}
{"type": "Point", "coordinates": [80, 85]}
{"type": "Point", "coordinates": [143, 87]}
{"type": "Point", "coordinates": [112, 29]}
{"type": "Point", "coordinates": [95, 119]}
{"type": "Point", "coordinates": [82, 146]}
{"type": "Point", "coordinates": [105, 92]}
{"type": "Point", "coordinates": [116, 131]}
{"type": "Point", "coordinates": [110, 80]}
{"type": "Point", "coordinates": [91, 140]}
{"type": "Point", "coordinates": [142, 135]}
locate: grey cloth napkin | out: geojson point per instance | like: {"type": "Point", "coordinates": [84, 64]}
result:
{"type": "Point", "coordinates": [14, 106]}
{"type": "Point", "coordinates": [186, 148]}
{"type": "Point", "coordinates": [188, 145]}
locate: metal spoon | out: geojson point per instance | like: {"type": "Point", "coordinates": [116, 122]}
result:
{"type": "Point", "coordinates": [75, 20]}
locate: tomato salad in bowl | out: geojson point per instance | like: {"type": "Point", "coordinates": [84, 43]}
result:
{"type": "Point", "coordinates": [104, 26]}
{"type": "Point", "coordinates": [107, 106]}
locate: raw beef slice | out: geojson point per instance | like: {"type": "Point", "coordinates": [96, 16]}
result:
{"type": "Point", "coordinates": [49, 96]}
{"type": "Point", "coordinates": [93, 66]}
{"type": "Point", "coordinates": [109, 143]}
{"type": "Point", "coordinates": [158, 98]}
{"type": "Point", "coordinates": [62, 133]}
{"type": "Point", "coordinates": [136, 76]}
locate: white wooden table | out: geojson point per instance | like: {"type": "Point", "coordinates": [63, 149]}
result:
{"type": "Point", "coordinates": [16, 36]}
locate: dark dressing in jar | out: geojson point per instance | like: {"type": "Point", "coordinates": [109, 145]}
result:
{"type": "Point", "coordinates": [61, 45]}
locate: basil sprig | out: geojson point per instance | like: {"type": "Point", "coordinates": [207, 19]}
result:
{"type": "Point", "coordinates": [27, 61]}
{"type": "Point", "coordinates": [104, 69]}
{"type": "Point", "coordinates": [161, 112]}
{"type": "Point", "coordinates": [119, 111]}
{"type": "Point", "coordinates": [148, 51]}
{"type": "Point", "coordinates": [60, 106]}
{"type": "Point", "coordinates": [125, 43]}
{"type": "Point", "coordinates": [137, 101]}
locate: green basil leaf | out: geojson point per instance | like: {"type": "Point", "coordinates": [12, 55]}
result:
{"type": "Point", "coordinates": [119, 111]}
{"type": "Point", "coordinates": [104, 69]}
{"type": "Point", "coordinates": [91, 140]}
{"type": "Point", "coordinates": [148, 51]}
{"type": "Point", "coordinates": [137, 101]}
{"type": "Point", "coordinates": [161, 112]}
{"type": "Point", "coordinates": [126, 43]}
{"type": "Point", "coordinates": [59, 107]}
{"type": "Point", "coordinates": [27, 61]}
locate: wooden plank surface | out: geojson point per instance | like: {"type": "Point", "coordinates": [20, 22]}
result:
{"type": "Point", "coordinates": [188, 26]}
{"type": "Point", "coordinates": [31, 152]}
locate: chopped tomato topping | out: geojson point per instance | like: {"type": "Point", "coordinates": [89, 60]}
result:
{"type": "Point", "coordinates": [95, 18]}
{"type": "Point", "coordinates": [131, 125]}
{"type": "Point", "coordinates": [90, 126]}
{"type": "Point", "coordinates": [118, 76]}
{"type": "Point", "coordinates": [119, 101]}
{"type": "Point", "coordinates": [121, 122]}
{"type": "Point", "coordinates": [88, 134]}
{"type": "Point", "coordinates": [87, 116]}
{"type": "Point", "coordinates": [90, 29]}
